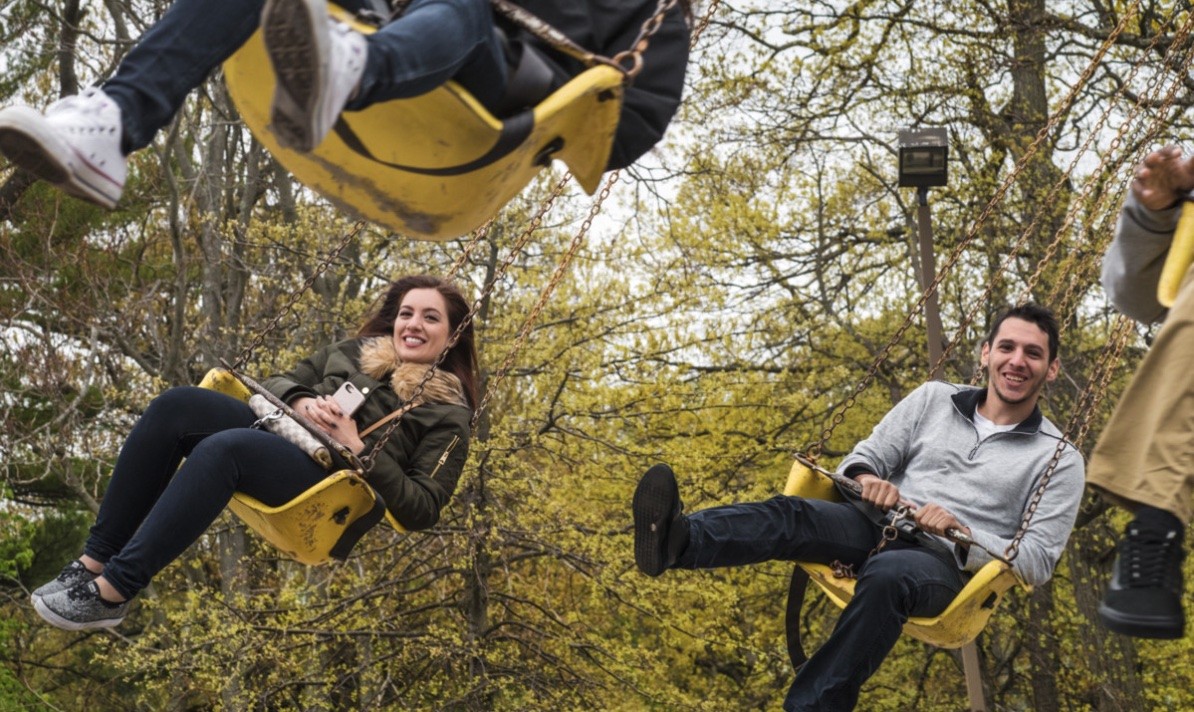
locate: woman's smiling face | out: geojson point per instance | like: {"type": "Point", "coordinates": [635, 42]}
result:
{"type": "Point", "coordinates": [421, 329]}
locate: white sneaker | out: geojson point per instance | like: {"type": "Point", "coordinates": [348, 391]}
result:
{"type": "Point", "coordinates": [75, 145]}
{"type": "Point", "coordinates": [318, 64]}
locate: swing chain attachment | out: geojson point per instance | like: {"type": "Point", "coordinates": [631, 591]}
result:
{"type": "Point", "coordinates": [259, 424]}
{"type": "Point", "coordinates": [902, 515]}
{"type": "Point", "coordinates": [634, 55]}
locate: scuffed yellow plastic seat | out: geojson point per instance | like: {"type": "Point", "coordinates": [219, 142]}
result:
{"type": "Point", "coordinates": [438, 165]}
{"type": "Point", "coordinates": [310, 528]}
{"type": "Point", "coordinates": [957, 625]}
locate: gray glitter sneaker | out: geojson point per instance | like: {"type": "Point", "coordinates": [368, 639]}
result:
{"type": "Point", "coordinates": [72, 575]}
{"type": "Point", "coordinates": [80, 608]}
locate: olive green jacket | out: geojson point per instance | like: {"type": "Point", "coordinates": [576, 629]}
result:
{"type": "Point", "coordinates": [416, 472]}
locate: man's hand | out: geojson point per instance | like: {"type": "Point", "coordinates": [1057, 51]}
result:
{"type": "Point", "coordinates": [932, 518]}
{"type": "Point", "coordinates": [877, 491]}
{"type": "Point", "coordinates": [1162, 178]}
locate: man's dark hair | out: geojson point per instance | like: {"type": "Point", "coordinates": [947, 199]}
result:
{"type": "Point", "coordinates": [1041, 316]}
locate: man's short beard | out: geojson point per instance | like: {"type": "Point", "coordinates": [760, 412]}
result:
{"type": "Point", "coordinates": [1008, 401]}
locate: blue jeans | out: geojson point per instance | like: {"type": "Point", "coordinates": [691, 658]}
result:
{"type": "Point", "coordinates": [153, 509]}
{"type": "Point", "coordinates": [903, 580]}
{"type": "Point", "coordinates": [434, 41]}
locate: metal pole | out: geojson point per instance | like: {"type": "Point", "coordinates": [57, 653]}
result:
{"type": "Point", "coordinates": [974, 677]}
{"type": "Point", "coordinates": [936, 338]}
{"type": "Point", "coordinates": [928, 267]}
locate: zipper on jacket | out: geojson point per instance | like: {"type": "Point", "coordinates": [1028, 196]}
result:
{"type": "Point", "coordinates": [444, 457]}
{"type": "Point", "coordinates": [979, 444]}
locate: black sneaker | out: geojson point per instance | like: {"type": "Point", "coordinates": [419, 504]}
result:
{"type": "Point", "coordinates": [80, 608]}
{"type": "Point", "coordinates": [71, 575]}
{"type": "Point", "coordinates": [657, 508]}
{"type": "Point", "coordinates": [1144, 598]}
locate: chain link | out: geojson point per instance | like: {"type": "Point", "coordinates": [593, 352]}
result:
{"type": "Point", "coordinates": [1061, 182]}
{"type": "Point", "coordinates": [635, 54]}
{"type": "Point", "coordinates": [1021, 165]}
{"type": "Point", "coordinates": [544, 296]}
{"type": "Point", "coordinates": [329, 257]}
{"type": "Point", "coordinates": [1076, 429]}
{"type": "Point", "coordinates": [368, 461]}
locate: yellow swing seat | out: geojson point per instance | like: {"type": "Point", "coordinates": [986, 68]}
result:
{"type": "Point", "coordinates": [319, 524]}
{"type": "Point", "coordinates": [438, 165]}
{"type": "Point", "coordinates": [1179, 257]}
{"type": "Point", "coordinates": [957, 625]}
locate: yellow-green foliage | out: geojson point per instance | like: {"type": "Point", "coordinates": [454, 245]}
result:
{"type": "Point", "coordinates": [745, 294]}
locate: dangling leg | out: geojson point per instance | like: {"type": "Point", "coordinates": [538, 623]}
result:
{"type": "Point", "coordinates": [169, 430]}
{"type": "Point", "coordinates": [1144, 461]}
{"type": "Point", "coordinates": [784, 528]}
{"type": "Point", "coordinates": [171, 426]}
{"type": "Point", "coordinates": [258, 463]}
{"type": "Point", "coordinates": [324, 68]}
{"type": "Point", "coordinates": [892, 586]}
{"type": "Point", "coordinates": [80, 143]}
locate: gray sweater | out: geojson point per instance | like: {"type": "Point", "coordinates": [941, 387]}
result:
{"type": "Point", "coordinates": [927, 446]}
{"type": "Point", "coordinates": [1132, 265]}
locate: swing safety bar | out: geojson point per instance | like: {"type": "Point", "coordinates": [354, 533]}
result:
{"type": "Point", "coordinates": [902, 522]}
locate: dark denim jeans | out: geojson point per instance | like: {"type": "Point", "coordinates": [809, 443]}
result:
{"type": "Point", "coordinates": [434, 41]}
{"type": "Point", "coordinates": [154, 509]}
{"type": "Point", "coordinates": [903, 580]}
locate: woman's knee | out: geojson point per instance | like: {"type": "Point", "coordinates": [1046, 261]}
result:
{"type": "Point", "coordinates": [229, 447]}
{"type": "Point", "coordinates": [173, 400]}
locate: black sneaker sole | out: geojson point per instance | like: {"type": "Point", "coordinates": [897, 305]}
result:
{"type": "Point", "coordinates": [287, 27]}
{"type": "Point", "coordinates": [655, 501]}
{"type": "Point", "coordinates": [1138, 626]}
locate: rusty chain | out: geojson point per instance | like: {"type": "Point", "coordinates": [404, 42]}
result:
{"type": "Point", "coordinates": [1078, 425]}
{"type": "Point", "coordinates": [1104, 197]}
{"type": "Point", "coordinates": [545, 294]}
{"type": "Point", "coordinates": [329, 257]}
{"type": "Point", "coordinates": [1021, 165]}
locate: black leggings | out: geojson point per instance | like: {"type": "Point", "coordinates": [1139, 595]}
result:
{"type": "Point", "coordinates": [154, 509]}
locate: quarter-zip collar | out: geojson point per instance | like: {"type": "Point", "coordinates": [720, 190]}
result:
{"type": "Point", "coordinates": [967, 400]}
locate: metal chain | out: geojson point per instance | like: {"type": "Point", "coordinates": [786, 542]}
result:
{"type": "Point", "coordinates": [650, 27]}
{"type": "Point", "coordinates": [1158, 123]}
{"type": "Point", "coordinates": [556, 278]}
{"type": "Point", "coordinates": [1085, 408]}
{"type": "Point", "coordinates": [635, 54]}
{"type": "Point", "coordinates": [369, 459]}
{"type": "Point", "coordinates": [331, 256]}
{"type": "Point", "coordinates": [955, 255]}
{"type": "Point", "coordinates": [1128, 121]}
{"type": "Point", "coordinates": [559, 41]}
{"type": "Point", "coordinates": [705, 20]}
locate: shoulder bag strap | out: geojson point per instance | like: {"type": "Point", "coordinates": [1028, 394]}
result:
{"type": "Point", "coordinates": [396, 414]}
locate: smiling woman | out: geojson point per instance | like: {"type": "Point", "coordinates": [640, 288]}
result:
{"type": "Point", "coordinates": [149, 516]}
{"type": "Point", "coordinates": [421, 328]}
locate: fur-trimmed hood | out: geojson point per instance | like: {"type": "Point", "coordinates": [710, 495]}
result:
{"type": "Point", "coordinates": [379, 358]}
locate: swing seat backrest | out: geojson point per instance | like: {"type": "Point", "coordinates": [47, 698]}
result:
{"type": "Point", "coordinates": [319, 524]}
{"type": "Point", "coordinates": [438, 165]}
{"type": "Point", "coordinates": [957, 625]}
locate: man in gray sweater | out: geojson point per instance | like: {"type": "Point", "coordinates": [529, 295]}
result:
{"type": "Point", "coordinates": [970, 459]}
{"type": "Point", "coordinates": [1143, 458]}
